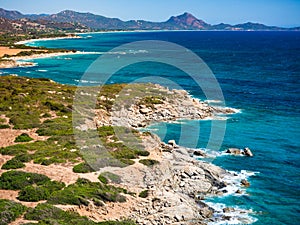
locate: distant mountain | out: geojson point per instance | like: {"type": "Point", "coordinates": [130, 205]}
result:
{"type": "Point", "coordinates": [185, 21]}
{"type": "Point", "coordinates": [13, 15]}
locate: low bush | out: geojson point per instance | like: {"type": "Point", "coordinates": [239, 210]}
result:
{"type": "Point", "coordinates": [23, 157]}
{"type": "Point", "coordinates": [48, 214]}
{"type": "Point", "coordinates": [33, 194]}
{"type": "Point", "coordinates": [149, 162]}
{"type": "Point", "coordinates": [55, 106]}
{"type": "Point", "coordinates": [56, 127]}
{"type": "Point", "coordinates": [41, 192]}
{"type": "Point", "coordinates": [9, 211]}
{"type": "Point", "coordinates": [4, 126]}
{"type": "Point", "coordinates": [23, 138]}
{"type": "Point", "coordinates": [114, 178]}
{"type": "Point", "coordinates": [83, 168]}
{"type": "Point", "coordinates": [103, 179]}
{"type": "Point", "coordinates": [84, 191]}
{"type": "Point", "coordinates": [144, 194]}
{"type": "Point", "coordinates": [51, 215]}
{"type": "Point", "coordinates": [16, 180]}
{"type": "Point", "coordinates": [13, 164]}
{"type": "Point", "coordinates": [54, 150]}
{"type": "Point", "coordinates": [142, 152]}
{"type": "Point", "coordinates": [13, 149]}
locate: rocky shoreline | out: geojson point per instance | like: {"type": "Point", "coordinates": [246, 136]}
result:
{"type": "Point", "coordinates": [138, 109]}
{"type": "Point", "coordinates": [178, 184]}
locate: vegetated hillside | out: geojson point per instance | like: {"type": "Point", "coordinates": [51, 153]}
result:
{"type": "Point", "coordinates": [186, 21]}
{"type": "Point", "coordinates": [44, 107]}
{"type": "Point", "coordinates": [27, 26]}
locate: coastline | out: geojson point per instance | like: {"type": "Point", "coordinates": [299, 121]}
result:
{"type": "Point", "coordinates": [18, 61]}
{"type": "Point", "coordinates": [48, 39]}
{"type": "Point", "coordinates": [176, 183]}
{"type": "Point", "coordinates": [179, 182]}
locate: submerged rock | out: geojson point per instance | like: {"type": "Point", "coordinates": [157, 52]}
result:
{"type": "Point", "coordinates": [245, 183]}
{"type": "Point", "coordinates": [239, 192]}
{"type": "Point", "coordinates": [228, 209]}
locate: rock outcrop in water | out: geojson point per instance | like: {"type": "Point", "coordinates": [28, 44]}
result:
{"type": "Point", "coordinates": [236, 151]}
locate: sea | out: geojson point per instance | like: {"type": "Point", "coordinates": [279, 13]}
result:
{"type": "Point", "coordinates": [259, 75]}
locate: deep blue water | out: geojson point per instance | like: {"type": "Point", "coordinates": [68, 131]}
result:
{"type": "Point", "coordinates": [258, 72]}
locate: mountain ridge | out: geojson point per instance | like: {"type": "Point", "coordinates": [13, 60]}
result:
{"type": "Point", "coordinates": [185, 21]}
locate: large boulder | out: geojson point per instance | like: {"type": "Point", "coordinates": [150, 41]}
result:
{"type": "Point", "coordinates": [247, 152]}
{"type": "Point", "coordinates": [234, 151]}
{"type": "Point", "coordinates": [172, 143]}
{"type": "Point", "coordinates": [145, 110]}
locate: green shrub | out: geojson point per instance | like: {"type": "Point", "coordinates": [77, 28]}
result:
{"type": "Point", "coordinates": [51, 215]}
{"type": "Point", "coordinates": [55, 106]}
{"type": "Point", "coordinates": [4, 126]}
{"type": "Point", "coordinates": [24, 119]}
{"type": "Point", "coordinates": [41, 192]}
{"type": "Point", "coordinates": [150, 101]}
{"type": "Point", "coordinates": [149, 162]}
{"type": "Point", "coordinates": [142, 153]}
{"type": "Point", "coordinates": [9, 211]}
{"type": "Point", "coordinates": [23, 138]}
{"type": "Point", "coordinates": [13, 149]}
{"type": "Point", "coordinates": [13, 164]}
{"type": "Point", "coordinates": [33, 194]}
{"type": "Point", "coordinates": [23, 157]}
{"type": "Point", "coordinates": [103, 179]}
{"type": "Point", "coordinates": [48, 214]}
{"type": "Point", "coordinates": [144, 194]}
{"type": "Point", "coordinates": [58, 127]}
{"type": "Point", "coordinates": [54, 150]}
{"type": "Point", "coordinates": [84, 191]}
{"type": "Point", "coordinates": [114, 178]}
{"type": "Point", "coordinates": [83, 168]}
{"type": "Point", "coordinates": [16, 180]}
{"type": "Point", "coordinates": [130, 146]}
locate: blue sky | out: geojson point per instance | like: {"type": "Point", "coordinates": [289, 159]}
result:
{"type": "Point", "coordinates": [271, 12]}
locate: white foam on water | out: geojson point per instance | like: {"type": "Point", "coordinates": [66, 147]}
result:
{"type": "Point", "coordinates": [141, 51]}
{"type": "Point", "coordinates": [42, 70]}
{"type": "Point", "coordinates": [234, 109]}
{"type": "Point", "coordinates": [177, 122]}
{"type": "Point", "coordinates": [233, 180]}
{"type": "Point", "coordinates": [236, 216]}
{"type": "Point", "coordinates": [88, 81]}
{"type": "Point", "coordinates": [213, 101]}
{"type": "Point", "coordinates": [210, 154]}
{"type": "Point", "coordinates": [216, 118]}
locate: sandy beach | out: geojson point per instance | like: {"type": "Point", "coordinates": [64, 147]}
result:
{"type": "Point", "coordinates": [10, 51]}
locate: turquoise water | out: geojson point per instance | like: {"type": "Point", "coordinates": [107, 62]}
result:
{"type": "Point", "coordinates": [259, 74]}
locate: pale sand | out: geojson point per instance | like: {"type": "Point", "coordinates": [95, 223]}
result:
{"type": "Point", "coordinates": [11, 51]}
{"type": "Point", "coordinates": [8, 136]}
{"type": "Point", "coordinates": [47, 39]}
